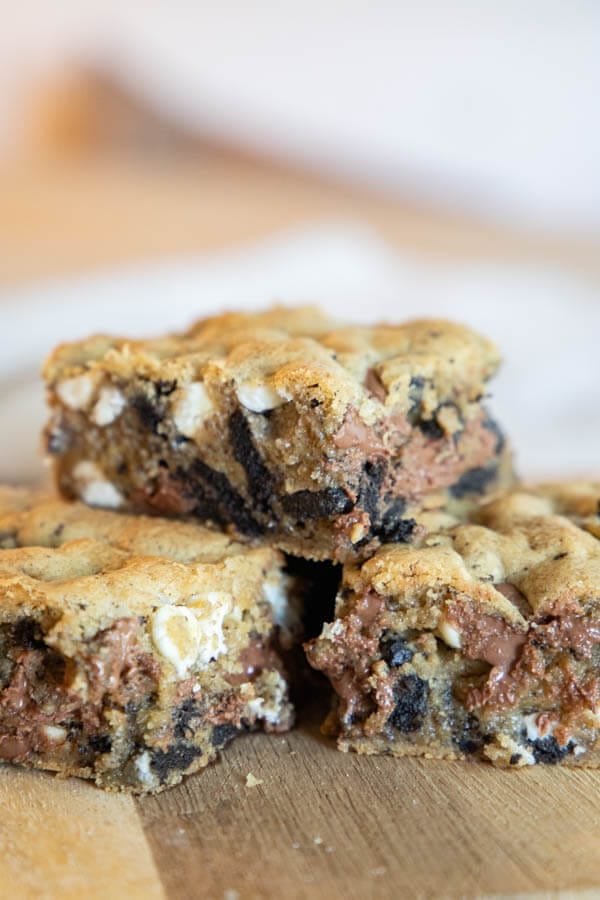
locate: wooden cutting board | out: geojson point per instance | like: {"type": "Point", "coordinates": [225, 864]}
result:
{"type": "Point", "coordinates": [321, 824]}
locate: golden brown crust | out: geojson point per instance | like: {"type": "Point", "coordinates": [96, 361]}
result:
{"type": "Point", "coordinates": [482, 639]}
{"type": "Point", "coordinates": [541, 541]}
{"type": "Point", "coordinates": [132, 648]}
{"type": "Point", "coordinates": [288, 348]}
{"type": "Point", "coordinates": [281, 423]}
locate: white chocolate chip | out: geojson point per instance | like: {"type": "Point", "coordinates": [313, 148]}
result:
{"type": "Point", "coordinates": [109, 406]}
{"type": "Point", "coordinates": [142, 765]}
{"type": "Point", "coordinates": [176, 636]}
{"type": "Point", "coordinates": [267, 707]}
{"type": "Point", "coordinates": [285, 613]}
{"type": "Point", "coordinates": [259, 397]}
{"type": "Point", "coordinates": [93, 488]}
{"type": "Point", "coordinates": [449, 634]}
{"type": "Point", "coordinates": [532, 731]}
{"type": "Point", "coordinates": [527, 758]}
{"type": "Point", "coordinates": [76, 392]}
{"type": "Point", "coordinates": [191, 407]}
{"type": "Point", "coordinates": [210, 611]}
{"type": "Point", "coordinates": [274, 700]}
{"type": "Point", "coordinates": [55, 733]}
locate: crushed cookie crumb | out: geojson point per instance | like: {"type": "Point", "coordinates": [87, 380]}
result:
{"type": "Point", "coordinates": [252, 780]}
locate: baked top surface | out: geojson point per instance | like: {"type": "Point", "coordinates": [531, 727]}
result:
{"type": "Point", "coordinates": [292, 351]}
{"type": "Point", "coordinates": [84, 568]}
{"type": "Point", "coordinates": [540, 541]}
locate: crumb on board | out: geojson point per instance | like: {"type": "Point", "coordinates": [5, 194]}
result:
{"type": "Point", "coordinates": [252, 780]}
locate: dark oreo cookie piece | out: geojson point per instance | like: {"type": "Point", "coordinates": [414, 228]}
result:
{"type": "Point", "coordinates": [99, 743]}
{"type": "Point", "coordinates": [58, 440]}
{"type": "Point", "coordinates": [150, 416]}
{"type": "Point", "coordinates": [303, 505]}
{"type": "Point", "coordinates": [395, 650]}
{"type": "Point", "coordinates": [411, 693]}
{"type": "Point", "coordinates": [474, 481]}
{"type": "Point", "coordinates": [216, 499]}
{"type": "Point", "coordinates": [431, 429]}
{"type": "Point", "coordinates": [261, 484]}
{"type": "Point", "coordinates": [547, 750]}
{"type": "Point", "coordinates": [469, 738]}
{"type": "Point", "coordinates": [185, 718]}
{"type": "Point", "coordinates": [415, 395]}
{"type": "Point", "coordinates": [164, 388]}
{"type": "Point", "coordinates": [177, 757]}
{"type": "Point", "coordinates": [371, 483]}
{"type": "Point", "coordinates": [491, 425]}
{"type": "Point", "coordinates": [395, 529]}
{"type": "Point", "coordinates": [222, 734]}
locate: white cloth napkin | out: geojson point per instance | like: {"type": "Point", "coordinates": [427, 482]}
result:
{"type": "Point", "coordinates": [546, 322]}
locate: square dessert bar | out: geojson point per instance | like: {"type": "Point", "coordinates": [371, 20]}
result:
{"type": "Point", "coordinates": [132, 649]}
{"type": "Point", "coordinates": [321, 438]}
{"type": "Point", "coordinates": [482, 641]}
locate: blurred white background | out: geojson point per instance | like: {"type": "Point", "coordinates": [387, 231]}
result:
{"type": "Point", "coordinates": [383, 159]}
{"type": "Point", "coordinates": [491, 107]}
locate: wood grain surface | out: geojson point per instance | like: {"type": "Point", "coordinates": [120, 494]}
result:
{"type": "Point", "coordinates": [320, 824]}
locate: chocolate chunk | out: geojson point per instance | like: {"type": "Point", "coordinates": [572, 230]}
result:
{"type": "Point", "coordinates": [177, 756]}
{"type": "Point", "coordinates": [222, 734]}
{"type": "Point", "coordinates": [396, 651]}
{"type": "Point", "coordinates": [490, 425]}
{"type": "Point", "coordinates": [474, 481]}
{"type": "Point", "coordinates": [411, 693]}
{"type": "Point", "coordinates": [547, 750]}
{"type": "Point", "coordinates": [184, 717]}
{"type": "Point", "coordinates": [261, 483]}
{"type": "Point", "coordinates": [150, 416]}
{"type": "Point", "coordinates": [303, 505]}
{"type": "Point", "coordinates": [216, 499]}
{"type": "Point", "coordinates": [515, 758]}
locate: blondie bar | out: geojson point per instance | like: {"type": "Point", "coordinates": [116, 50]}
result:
{"type": "Point", "coordinates": [132, 649]}
{"type": "Point", "coordinates": [482, 641]}
{"type": "Point", "coordinates": [322, 439]}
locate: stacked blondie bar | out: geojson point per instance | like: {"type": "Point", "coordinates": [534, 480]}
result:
{"type": "Point", "coordinates": [136, 640]}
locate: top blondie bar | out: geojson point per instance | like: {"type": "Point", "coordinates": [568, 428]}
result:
{"type": "Point", "coordinates": [324, 439]}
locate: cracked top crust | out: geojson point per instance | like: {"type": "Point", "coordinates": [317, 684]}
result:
{"type": "Point", "coordinates": [77, 570]}
{"type": "Point", "coordinates": [296, 352]}
{"type": "Point", "coordinates": [531, 553]}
